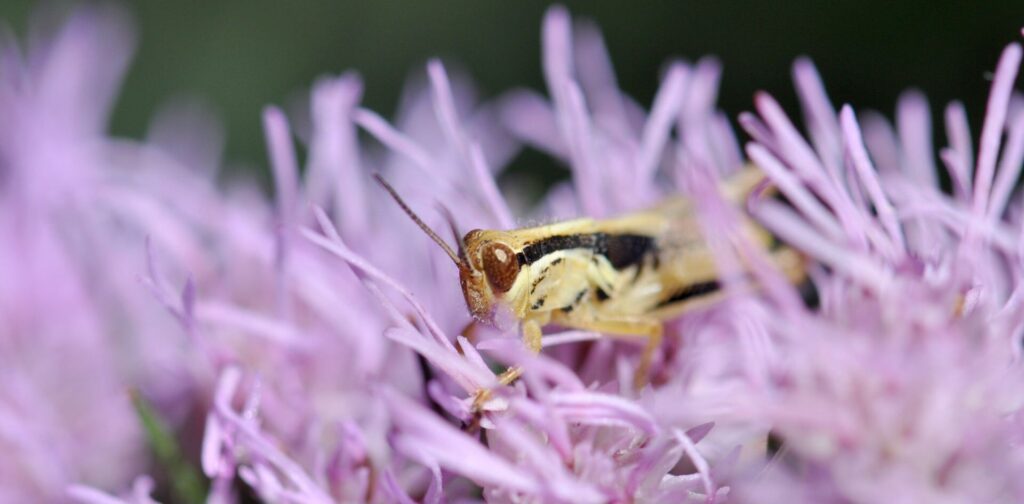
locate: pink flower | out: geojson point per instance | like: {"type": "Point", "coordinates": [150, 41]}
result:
{"type": "Point", "coordinates": [314, 346]}
{"type": "Point", "coordinates": [609, 446]}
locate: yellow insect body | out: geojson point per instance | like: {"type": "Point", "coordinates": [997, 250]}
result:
{"type": "Point", "coordinates": [622, 276]}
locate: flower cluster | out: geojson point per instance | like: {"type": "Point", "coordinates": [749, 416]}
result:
{"type": "Point", "coordinates": [315, 346]}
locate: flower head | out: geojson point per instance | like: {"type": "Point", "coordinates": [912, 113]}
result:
{"type": "Point", "coordinates": [323, 343]}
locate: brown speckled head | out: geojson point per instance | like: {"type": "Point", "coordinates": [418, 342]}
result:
{"type": "Point", "coordinates": [493, 269]}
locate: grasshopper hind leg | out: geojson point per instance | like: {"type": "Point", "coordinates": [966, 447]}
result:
{"type": "Point", "coordinates": [627, 328]}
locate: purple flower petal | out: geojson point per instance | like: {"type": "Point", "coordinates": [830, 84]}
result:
{"type": "Point", "coordinates": [434, 441]}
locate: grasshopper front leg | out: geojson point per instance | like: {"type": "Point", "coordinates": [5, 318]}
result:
{"type": "Point", "coordinates": [532, 339]}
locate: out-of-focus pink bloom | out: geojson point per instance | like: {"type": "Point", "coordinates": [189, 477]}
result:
{"type": "Point", "coordinates": [66, 325]}
{"type": "Point", "coordinates": [906, 387]}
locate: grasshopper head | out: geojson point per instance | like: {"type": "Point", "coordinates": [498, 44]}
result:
{"type": "Point", "coordinates": [491, 267]}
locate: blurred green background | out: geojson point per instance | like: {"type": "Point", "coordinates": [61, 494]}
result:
{"type": "Point", "coordinates": [242, 54]}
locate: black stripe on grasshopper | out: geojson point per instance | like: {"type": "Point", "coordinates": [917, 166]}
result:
{"type": "Point", "coordinates": [691, 291]}
{"type": "Point", "coordinates": [621, 250]}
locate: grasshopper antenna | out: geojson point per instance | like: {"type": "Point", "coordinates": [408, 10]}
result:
{"type": "Point", "coordinates": [419, 222]}
{"type": "Point", "coordinates": [447, 214]}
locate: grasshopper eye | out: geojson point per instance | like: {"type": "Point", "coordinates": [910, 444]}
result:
{"type": "Point", "coordinates": [500, 266]}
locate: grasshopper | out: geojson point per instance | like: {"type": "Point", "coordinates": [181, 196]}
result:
{"type": "Point", "coordinates": [623, 277]}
